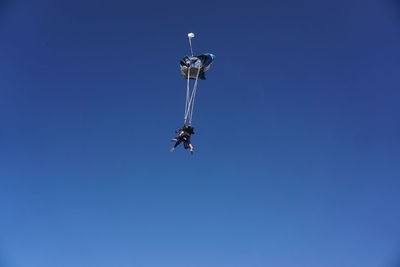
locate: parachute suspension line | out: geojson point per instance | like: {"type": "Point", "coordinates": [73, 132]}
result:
{"type": "Point", "coordinates": [187, 95]}
{"type": "Point", "coordinates": [193, 97]}
{"type": "Point", "coordinates": [189, 112]}
{"type": "Point", "coordinates": [190, 101]}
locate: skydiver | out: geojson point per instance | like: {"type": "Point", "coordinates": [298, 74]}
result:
{"type": "Point", "coordinates": [184, 135]}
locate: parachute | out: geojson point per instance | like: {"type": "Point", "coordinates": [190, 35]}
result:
{"type": "Point", "coordinates": [193, 68]}
{"type": "Point", "coordinates": [190, 66]}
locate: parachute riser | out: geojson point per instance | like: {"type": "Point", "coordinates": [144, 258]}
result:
{"type": "Point", "coordinates": [190, 97]}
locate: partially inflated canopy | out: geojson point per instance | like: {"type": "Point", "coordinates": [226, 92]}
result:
{"type": "Point", "coordinates": [194, 67]}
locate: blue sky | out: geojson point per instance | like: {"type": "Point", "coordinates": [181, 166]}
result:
{"type": "Point", "coordinates": [297, 134]}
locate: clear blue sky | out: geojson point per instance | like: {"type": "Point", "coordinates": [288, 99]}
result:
{"type": "Point", "coordinates": [297, 141]}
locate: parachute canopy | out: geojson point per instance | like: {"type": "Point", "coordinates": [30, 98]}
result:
{"type": "Point", "coordinates": [194, 67]}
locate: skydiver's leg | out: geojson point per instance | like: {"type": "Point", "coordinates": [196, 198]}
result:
{"type": "Point", "coordinates": [188, 145]}
{"type": "Point", "coordinates": [176, 144]}
{"type": "Point", "coordinates": [191, 148]}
